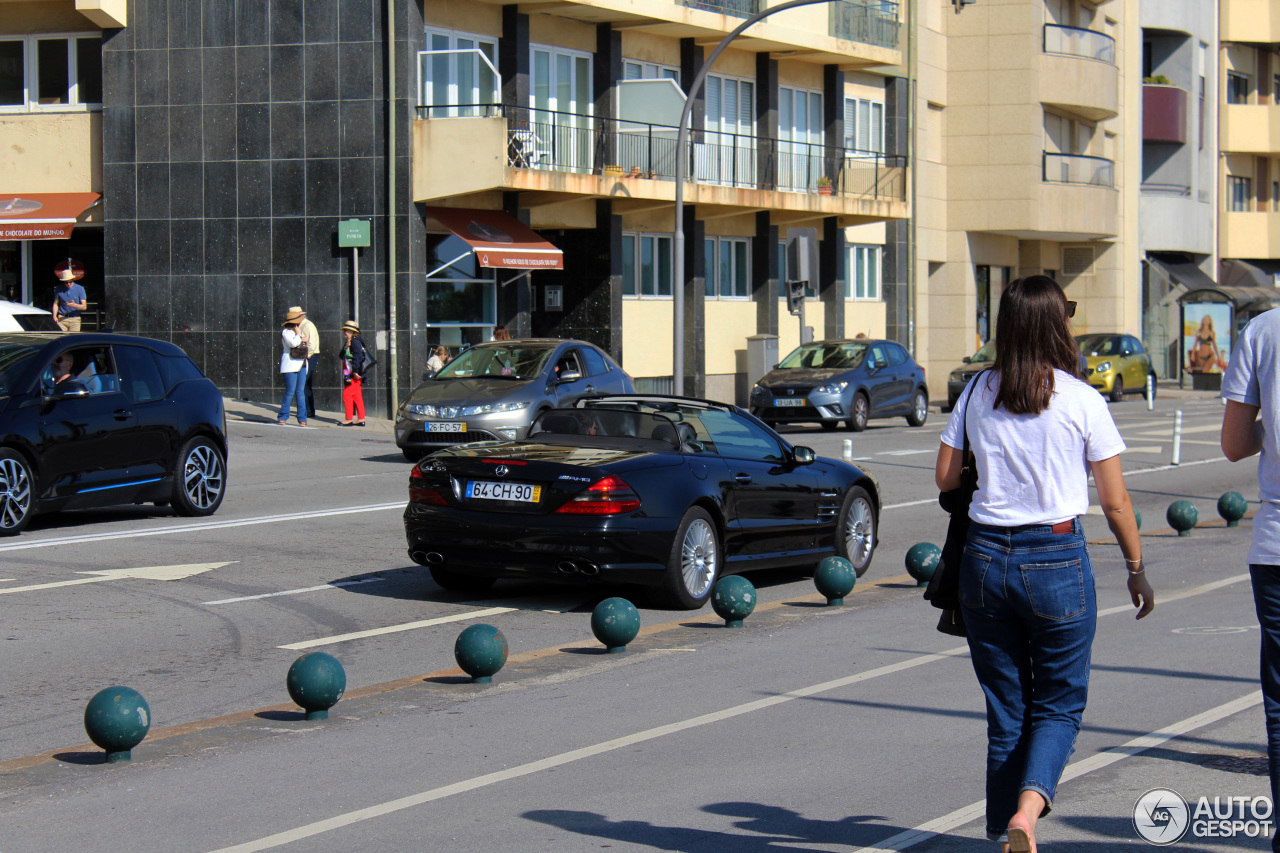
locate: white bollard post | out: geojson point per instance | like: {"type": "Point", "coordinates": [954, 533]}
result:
{"type": "Point", "coordinates": [848, 450]}
{"type": "Point", "coordinates": [1177, 438]}
{"type": "Point", "coordinates": [1151, 392]}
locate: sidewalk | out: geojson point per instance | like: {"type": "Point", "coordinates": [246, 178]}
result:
{"type": "Point", "coordinates": [256, 412]}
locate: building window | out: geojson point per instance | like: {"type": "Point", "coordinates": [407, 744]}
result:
{"type": "Point", "coordinates": [862, 279]}
{"type": "Point", "coordinates": [863, 125]}
{"type": "Point", "coordinates": [728, 267]}
{"type": "Point", "coordinates": [801, 150]}
{"type": "Point", "coordinates": [49, 72]}
{"type": "Point", "coordinates": [1237, 88]}
{"type": "Point", "coordinates": [457, 75]}
{"type": "Point", "coordinates": [646, 265]}
{"type": "Point", "coordinates": [648, 71]}
{"type": "Point", "coordinates": [1275, 196]}
{"type": "Point", "coordinates": [1239, 191]}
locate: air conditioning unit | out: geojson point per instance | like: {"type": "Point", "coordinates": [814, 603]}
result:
{"type": "Point", "coordinates": [1077, 260]}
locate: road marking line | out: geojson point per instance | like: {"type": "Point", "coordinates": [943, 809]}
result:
{"type": "Point", "coordinates": [903, 452]}
{"type": "Point", "coordinates": [477, 782]}
{"type": "Point", "coordinates": [1136, 471]}
{"type": "Point", "coordinates": [395, 629]}
{"type": "Point", "coordinates": [1185, 430]}
{"type": "Point", "coordinates": [1178, 596]}
{"type": "Point", "coordinates": [334, 585]}
{"type": "Point", "coordinates": [154, 573]}
{"type": "Point", "coordinates": [911, 503]}
{"type": "Point", "coordinates": [200, 526]}
{"type": "Point", "coordinates": [1150, 448]}
{"type": "Point", "coordinates": [960, 817]}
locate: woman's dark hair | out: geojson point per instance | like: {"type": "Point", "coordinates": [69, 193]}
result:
{"type": "Point", "coordinates": [1033, 337]}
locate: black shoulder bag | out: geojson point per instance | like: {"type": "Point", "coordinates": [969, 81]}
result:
{"type": "Point", "coordinates": [943, 591]}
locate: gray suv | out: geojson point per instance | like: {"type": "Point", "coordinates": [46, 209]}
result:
{"type": "Point", "coordinates": [494, 391]}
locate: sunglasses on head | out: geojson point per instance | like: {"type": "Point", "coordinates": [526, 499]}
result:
{"type": "Point", "coordinates": [1071, 309]}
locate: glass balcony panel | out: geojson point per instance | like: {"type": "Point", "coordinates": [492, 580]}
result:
{"type": "Point", "coordinates": [865, 21]}
{"type": "Point", "coordinates": [1073, 41]}
{"type": "Point", "coordinates": [737, 8]}
{"type": "Point", "coordinates": [1079, 169]}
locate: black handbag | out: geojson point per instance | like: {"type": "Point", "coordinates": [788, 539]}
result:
{"type": "Point", "coordinates": [943, 590]}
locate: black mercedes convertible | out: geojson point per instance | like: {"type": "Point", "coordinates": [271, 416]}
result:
{"type": "Point", "coordinates": [670, 492]}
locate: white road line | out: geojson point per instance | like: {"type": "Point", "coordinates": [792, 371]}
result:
{"type": "Point", "coordinates": [911, 503]}
{"type": "Point", "coordinates": [1136, 471]}
{"type": "Point", "coordinates": [395, 629]}
{"type": "Point", "coordinates": [1150, 448]}
{"type": "Point", "coordinates": [334, 585]}
{"type": "Point", "coordinates": [905, 452]}
{"type": "Point", "coordinates": [198, 526]}
{"type": "Point", "coordinates": [968, 813]}
{"type": "Point", "coordinates": [960, 817]}
{"type": "Point", "coordinates": [1178, 596]}
{"type": "Point", "coordinates": [1185, 430]}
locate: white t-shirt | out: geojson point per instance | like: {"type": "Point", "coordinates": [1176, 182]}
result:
{"type": "Point", "coordinates": [1033, 469]}
{"type": "Point", "coordinates": [1253, 378]}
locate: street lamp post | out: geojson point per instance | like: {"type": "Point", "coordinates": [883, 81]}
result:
{"type": "Point", "coordinates": [682, 135]}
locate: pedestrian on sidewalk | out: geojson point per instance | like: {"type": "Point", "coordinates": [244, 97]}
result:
{"type": "Point", "coordinates": [1251, 388]}
{"type": "Point", "coordinates": [1026, 581]}
{"type": "Point", "coordinates": [353, 367]}
{"type": "Point", "coordinates": [293, 367]}
{"type": "Point", "coordinates": [311, 335]}
{"type": "Point", "coordinates": [69, 299]}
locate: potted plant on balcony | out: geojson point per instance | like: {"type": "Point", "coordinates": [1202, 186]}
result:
{"type": "Point", "coordinates": [824, 185]}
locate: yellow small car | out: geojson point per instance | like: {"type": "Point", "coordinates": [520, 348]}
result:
{"type": "Point", "coordinates": [1117, 364]}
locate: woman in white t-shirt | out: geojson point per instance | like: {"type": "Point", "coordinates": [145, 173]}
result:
{"type": "Point", "coordinates": [293, 370]}
{"type": "Point", "coordinates": [1026, 582]}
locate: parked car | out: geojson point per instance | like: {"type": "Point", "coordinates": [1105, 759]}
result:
{"type": "Point", "coordinates": [16, 317]}
{"type": "Point", "coordinates": [670, 492]}
{"type": "Point", "coordinates": [494, 391]}
{"type": "Point", "coordinates": [1118, 364]}
{"type": "Point", "coordinates": [853, 380]}
{"type": "Point", "coordinates": [91, 420]}
{"type": "Point", "coordinates": [959, 378]}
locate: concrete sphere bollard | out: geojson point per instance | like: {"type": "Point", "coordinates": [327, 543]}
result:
{"type": "Point", "coordinates": [1182, 517]}
{"type": "Point", "coordinates": [117, 719]}
{"type": "Point", "coordinates": [316, 682]}
{"type": "Point", "coordinates": [615, 622]}
{"type": "Point", "coordinates": [733, 598]}
{"type": "Point", "coordinates": [922, 561]}
{"type": "Point", "coordinates": [480, 651]}
{"type": "Point", "coordinates": [1232, 506]}
{"type": "Point", "coordinates": [835, 579]}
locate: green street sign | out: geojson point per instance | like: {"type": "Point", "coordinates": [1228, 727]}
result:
{"type": "Point", "coordinates": [353, 232]}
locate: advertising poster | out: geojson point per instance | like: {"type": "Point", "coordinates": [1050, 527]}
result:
{"type": "Point", "coordinates": [1206, 336]}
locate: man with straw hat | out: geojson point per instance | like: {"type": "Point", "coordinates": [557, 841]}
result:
{"type": "Point", "coordinates": [69, 299]}
{"type": "Point", "coordinates": [311, 335]}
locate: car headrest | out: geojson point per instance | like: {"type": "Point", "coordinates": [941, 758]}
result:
{"type": "Point", "coordinates": [667, 433]}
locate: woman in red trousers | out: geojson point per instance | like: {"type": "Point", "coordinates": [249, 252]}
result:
{"type": "Point", "coordinates": [352, 377]}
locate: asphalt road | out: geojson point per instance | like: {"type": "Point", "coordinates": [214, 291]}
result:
{"type": "Point", "coordinates": [811, 728]}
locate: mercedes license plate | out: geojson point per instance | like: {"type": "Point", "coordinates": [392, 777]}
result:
{"type": "Point", "coordinates": [790, 401]}
{"type": "Point", "coordinates": [454, 426]}
{"type": "Point", "coordinates": [504, 491]}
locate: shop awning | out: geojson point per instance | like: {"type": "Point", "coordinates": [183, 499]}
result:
{"type": "Point", "coordinates": [42, 216]}
{"type": "Point", "coordinates": [1248, 284]}
{"type": "Point", "coordinates": [500, 240]}
{"type": "Point", "coordinates": [1188, 275]}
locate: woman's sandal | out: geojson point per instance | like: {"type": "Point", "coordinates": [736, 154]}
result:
{"type": "Point", "coordinates": [1019, 840]}
{"type": "Point", "coordinates": [359, 423]}
{"type": "Point", "coordinates": [347, 423]}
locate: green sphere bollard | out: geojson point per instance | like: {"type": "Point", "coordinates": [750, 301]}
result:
{"type": "Point", "coordinates": [1137, 516]}
{"type": "Point", "coordinates": [316, 681]}
{"type": "Point", "coordinates": [1182, 517]}
{"type": "Point", "coordinates": [615, 622]}
{"type": "Point", "coordinates": [480, 651]}
{"type": "Point", "coordinates": [733, 598]}
{"type": "Point", "coordinates": [922, 561]}
{"type": "Point", "coordinates": [1232, 506]}
{"type": "Point", "coordinates": [835, 578]}
{"type": "Point", "coordinates": [117, 719]}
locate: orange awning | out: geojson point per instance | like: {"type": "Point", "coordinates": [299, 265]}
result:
{"type": "Point", "coordinates": [500, 240]}
{"type": "Point", "coordinates": [42, 216]}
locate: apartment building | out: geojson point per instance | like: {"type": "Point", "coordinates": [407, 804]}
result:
{"type": "Point", "coordinates": [1248, 230]}
{"type": "Point", "coordinates": [1026, 125]}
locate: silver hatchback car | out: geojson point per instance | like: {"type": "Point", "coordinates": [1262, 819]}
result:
{"type": "Point", "coordinates": [494, 391]}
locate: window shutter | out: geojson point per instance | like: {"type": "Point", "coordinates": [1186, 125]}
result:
{"type": "Point", "coordinates": [1077, 260]}
{"type": "Point", "coordinates": [713, 103]}
{"type": "Point", "coordinates": [864, 125]}
{"type": "Point", "coordinates": [850, 123]}
{"type": "Point", "coordinates": [877, 128]}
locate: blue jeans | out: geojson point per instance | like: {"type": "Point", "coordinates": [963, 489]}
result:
{"type": "Point", "coordinates": [1266, 599]}
{"type": "Point", "coordinates": [293, 387]}
{"type": "Point", "coordinates": [1029, 607]}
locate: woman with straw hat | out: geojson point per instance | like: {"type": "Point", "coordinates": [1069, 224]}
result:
{"type": "Point", "coordinates": [352, 374]}
{"type": "Point", "coordinates": [293, 367]}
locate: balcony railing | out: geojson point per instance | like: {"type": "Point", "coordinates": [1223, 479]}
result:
{"type": "Point", "coordinates": [866, 21]}
{"type": "Point", "coordinates": [737, 8]}
{"type": "Point", "coordinates": [1073, 41]}
{"type": "Point", "coordinates": [568, 142]}
{"type": "Point", "coordinates": [1174, 190]}
{"type": "Point", "coordinates": [1079, 169]}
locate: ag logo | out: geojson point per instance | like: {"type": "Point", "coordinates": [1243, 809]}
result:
{"type": "Point", "coordinates": [1161, 816]}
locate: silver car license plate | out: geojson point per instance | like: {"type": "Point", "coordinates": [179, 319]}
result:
{"type": "Point", "coordinates": [454, 426]}
{"type": "Point", "coordinates": [782, 402]}
{"type": "Point", "coordinates": [504, 491]}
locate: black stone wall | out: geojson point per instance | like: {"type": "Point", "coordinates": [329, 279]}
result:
{"type": "Point", "coordinates": [236, 135]}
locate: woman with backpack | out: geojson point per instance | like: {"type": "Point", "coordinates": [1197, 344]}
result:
{"type": "Point", "coordinates": [353, 371]}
